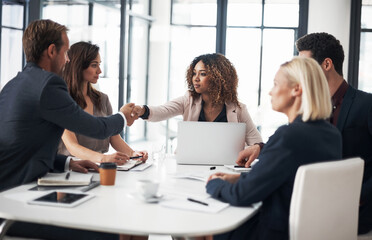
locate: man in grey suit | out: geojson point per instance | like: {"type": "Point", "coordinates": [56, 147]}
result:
{"type": "Point", "coordinates": [35, 108]}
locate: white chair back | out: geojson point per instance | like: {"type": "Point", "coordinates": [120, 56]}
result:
{"type": "Point", "coordinates": [325, 201]}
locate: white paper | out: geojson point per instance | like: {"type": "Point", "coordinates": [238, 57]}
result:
{"type": "Point", "coordinates": [141, 167]}
{"type": "Point", "coordinates": [214, 206]}
{"type": "Point", "coordinates": [201, 176]}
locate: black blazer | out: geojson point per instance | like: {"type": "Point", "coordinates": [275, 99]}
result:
{"type": "Point", "coordinates": [35, 108]}
{"type": "Point", "coordinates": [355, 125]}
{"type": "Point", "coordinates": [271, 179]}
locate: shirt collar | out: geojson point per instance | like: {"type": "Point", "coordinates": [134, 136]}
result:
{"type": "Point", "coordinates": [340, 93]}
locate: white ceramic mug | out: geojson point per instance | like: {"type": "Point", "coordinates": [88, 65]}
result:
{"type": "Point", "coordinates": [147, 188]}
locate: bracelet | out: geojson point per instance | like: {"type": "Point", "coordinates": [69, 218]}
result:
{"type": "Point", "coordinates": [260, 144]}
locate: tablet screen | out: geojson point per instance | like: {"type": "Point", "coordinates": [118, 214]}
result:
{"type": "Point", "coordinates": [60, 198]}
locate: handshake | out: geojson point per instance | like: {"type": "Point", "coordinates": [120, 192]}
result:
{"type": "Point", "coordinates": [132, 112]}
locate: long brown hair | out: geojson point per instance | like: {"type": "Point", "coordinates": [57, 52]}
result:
{"type": "Point", "coordinates": [81, 54]}
{"type": "Point", "coordinates": [223, 79]}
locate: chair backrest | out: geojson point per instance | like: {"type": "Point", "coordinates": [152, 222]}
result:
{"type": "Point", "coordinates": [325, 200]}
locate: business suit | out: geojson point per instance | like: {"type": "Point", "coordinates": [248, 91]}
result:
{"type": "Point", "coordinates": [35, 108]}
{"type": "Point", "coordinates": [271, 179]}
{"type": "Point", "coordinates": [355, 125]}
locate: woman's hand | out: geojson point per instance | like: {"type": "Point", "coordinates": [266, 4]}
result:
{"type": "Point", "coordinates": [144, 155]}
{"type": "Point", "coordinates": [138, 111]}
{"type": "Point", "coordinates": [248, 155]}
{"type": "Point", "coordinates": [231, 178]}
{"type": "Point", "coordinates": [119, 158]}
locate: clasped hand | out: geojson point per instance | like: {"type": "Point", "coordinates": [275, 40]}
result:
{"type": "Point", "coordinates": [132, 112]}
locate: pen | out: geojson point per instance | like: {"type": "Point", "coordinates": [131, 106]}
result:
{"type": "Point", "coordinates": [240, 166]}
{"type": "Point", "coordinates": [197, 201]}
{"type": "Point", "coordinates": [135, 157]}
{"type": "Point", "coordinates": [67, 175]}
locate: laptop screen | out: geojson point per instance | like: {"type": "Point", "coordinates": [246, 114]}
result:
{"type": "Point", "coordinates": [209, 143]}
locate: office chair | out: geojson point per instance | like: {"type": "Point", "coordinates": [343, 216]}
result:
{"type": "Point", "coordinates": [325, 201]}
{"type": "Point", "coordinates": [367, 236]}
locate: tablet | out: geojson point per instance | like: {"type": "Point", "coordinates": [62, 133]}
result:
{"type": "Point", "coordinates": [61, 199]}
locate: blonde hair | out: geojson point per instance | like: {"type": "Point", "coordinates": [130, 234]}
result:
{"type": "Point", "coordinates": [316, 100]}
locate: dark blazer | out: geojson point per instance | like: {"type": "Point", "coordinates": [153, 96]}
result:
{"type": "Point", "coordinates": [35, 108]}
{"type": "Point", "coordinates": [355, 125]}
{"type": "Point", "coordinates": [271, 179]}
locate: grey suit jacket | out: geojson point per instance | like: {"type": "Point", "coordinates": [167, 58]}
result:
{"type": "Point", "coordinates": [35, 108]}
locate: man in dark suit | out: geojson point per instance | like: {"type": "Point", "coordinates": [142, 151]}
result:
{"type": "Point", "coordinates": [35, 108]}
{"type": "Point", "coordinates": [352, 112]}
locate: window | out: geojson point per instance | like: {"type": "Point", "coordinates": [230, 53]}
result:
{"type": "Point", "coordinates": [365, 63]}
{"type": "Point", "coordinates": [259, 36]}
{"type": "Point", "coordinates": [11, 40]}
{"type": "Point", "coordinates": [98, 22]}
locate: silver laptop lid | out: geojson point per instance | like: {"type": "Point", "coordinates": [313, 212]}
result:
{"type": "Point", "coordinates": [209, 143]}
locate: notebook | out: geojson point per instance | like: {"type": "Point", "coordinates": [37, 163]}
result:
{"type": "Point", "coordinates": [209, 143]}
{"type": "Point", "coordinates": [61, 179]}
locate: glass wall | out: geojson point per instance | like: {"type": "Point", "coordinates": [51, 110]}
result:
{"type": "Point", "coordinates": [11, 40]}
{"type": "Point", "coordinates": [260, 36]}
{"type": "Point", "coordinates": [365, 63]}
{"type": "Point", "coordinates": [99, 23]}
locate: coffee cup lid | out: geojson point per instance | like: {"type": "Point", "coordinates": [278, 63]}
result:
{"type": "Point", "coordinates": [107, 165]}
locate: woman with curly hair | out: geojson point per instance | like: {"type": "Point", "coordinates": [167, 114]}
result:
{"type": "Point", "coordinates": [212, 96]}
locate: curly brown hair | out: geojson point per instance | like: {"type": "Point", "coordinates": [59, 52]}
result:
{"type": "Point", "coordinates": [223, 79]}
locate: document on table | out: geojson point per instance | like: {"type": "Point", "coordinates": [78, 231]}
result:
{"type": "Point", "coordinates": [208, 205]}
{"type": "Point", "coordinates": [201, 175]}
{"type": "Point", "coordinates": [65, 179]}
{"type": "Point", "coordinates": [133, 165]}
{"type": "Point", "coordinates": [140, 167]}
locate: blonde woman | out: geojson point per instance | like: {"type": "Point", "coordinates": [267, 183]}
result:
{"type": "Point", "coordinates": [301, 92]}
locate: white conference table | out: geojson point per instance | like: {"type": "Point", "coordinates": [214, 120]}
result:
{"type": "Point", "coordinates": [116, 209]}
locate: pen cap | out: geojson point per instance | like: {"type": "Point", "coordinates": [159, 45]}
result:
{"type": "Point", "coordinates": [107, 165]}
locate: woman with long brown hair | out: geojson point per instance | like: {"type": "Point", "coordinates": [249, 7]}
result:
{"type": "Point", "coordinates": [80, 73]}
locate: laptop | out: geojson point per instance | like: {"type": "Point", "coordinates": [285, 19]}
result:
{"type": "Point", "coordinates": [209, 143]}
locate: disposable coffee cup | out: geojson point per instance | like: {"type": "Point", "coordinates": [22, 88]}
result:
{"type": "Point", "coordinates": [107, 173]}
{"type": "Point", "coordinates": [147, 188]}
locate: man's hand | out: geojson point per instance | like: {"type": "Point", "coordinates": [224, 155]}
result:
{"type": "Point", "coordinates": [127, 110]}
{"type": "Point", "coordinates": [82, 166]}
{"type": "Point", "coordinates": [248, 155]}
{"type": "Point", "coordinates": [138, 111]}
{"type": "Point", "coordinates": [231, 178]}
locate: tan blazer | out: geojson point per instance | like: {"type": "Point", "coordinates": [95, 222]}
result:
{"type": "Point", "coordinates": [190, 110]}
